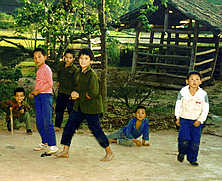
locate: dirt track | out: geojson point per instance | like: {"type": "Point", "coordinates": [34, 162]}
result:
{"type": "Point", "coordinates": [155, 163]}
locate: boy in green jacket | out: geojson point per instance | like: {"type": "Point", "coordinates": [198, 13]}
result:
{"type": "Point", "coordinates": [87, 105]}
{"type": "Point", "coordinates": [65, 72]}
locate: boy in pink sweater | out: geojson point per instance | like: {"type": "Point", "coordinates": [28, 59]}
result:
{"type": "Point", "coordinates": [43, 103]}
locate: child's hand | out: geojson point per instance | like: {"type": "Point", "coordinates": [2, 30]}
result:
{"type": "Point", "coordinates": [74, 95]}
{"type": "Point", "coordinates": [196, 123]}
{"type": "Point", "coordinates": [178, 122]}
{"type": "Point", "coordinates": [22, 111]}
{"type": "Point", "coordinates": [11, 108]}
{"type": "Point", "coordinates": [87, 96]}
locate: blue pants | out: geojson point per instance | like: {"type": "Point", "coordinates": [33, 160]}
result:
{"type": "Point", "coordinates": [43, 109]}
{"type": "Point", "coordinates": [62, 102]}
{"type": "Point", "coordinates": [189, 139]}
{"type": "Point", "coordinates": [74, 122]}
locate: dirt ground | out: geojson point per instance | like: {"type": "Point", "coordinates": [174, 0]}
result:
{"type": "Point", "coordinates": [155, 163]}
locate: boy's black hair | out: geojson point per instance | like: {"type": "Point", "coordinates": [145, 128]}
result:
{"type": "Point", "coordinates": [140, 107]}
{"type": "Point", "coordinates": [193, 73]}
{"type": "Point", "coordinates": [71, 51]}
{"type": "Point", "coordinates": [44, 53]}
{"type": "Point", "coordinates": [86, 51]}
{"type": "Point", "coordinates": [19, 89]}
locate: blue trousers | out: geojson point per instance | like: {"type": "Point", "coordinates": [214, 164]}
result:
{"type": "Point", "coordinates": [62, 102]}
{"type": "Point", "coordinates": [43, 109]}
{"type": "Point", "coordinates": [74, 121]}
{"type": "Point", "coordinates": [189, 139]}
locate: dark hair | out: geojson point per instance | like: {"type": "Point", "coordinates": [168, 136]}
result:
{"type": "Point", "coordinates": [19, 89]}
{"type": "Point", "coordinates": [71, 51]}
{"type": "Point", "coordinates": [140, 107]}
{"type": "Point", "coordinates": [86, 51]}
{"type": "Point", "coordinates": [193, 73]}
{"type": "Point", "coordinates": [44, 53]}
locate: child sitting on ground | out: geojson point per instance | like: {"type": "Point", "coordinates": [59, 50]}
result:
{"type": "Point", "coordinates": [20, 110]}
{"type": "Point", "coordinates": [136, 127]}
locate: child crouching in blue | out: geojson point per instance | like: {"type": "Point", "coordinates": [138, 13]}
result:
{"type": "Point", "coordinates": [136, 127]}
{"type": "Point", "coordinates": [191, 111]}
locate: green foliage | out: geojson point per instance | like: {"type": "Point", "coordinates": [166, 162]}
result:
{"type": "Point", "coordinates": [8, 78]}
{"type": "Point", "coordinates": [131, 95]}
{"type": "Point", "coordinates": [113, 51]}
{"type": "Point", "coordinates": [6, 21]}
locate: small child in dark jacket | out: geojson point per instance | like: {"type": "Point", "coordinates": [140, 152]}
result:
{"type": "Point", "coordinates": [65, 73]}
{"type": "Point", "coordinates": [20, 110]}
{"type": "Point", "coordinates": [136, 127]}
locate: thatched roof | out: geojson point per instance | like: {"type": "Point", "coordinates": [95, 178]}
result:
{"type": "Point", "coordinates": [209, 15]}
{"type": "Point", "coordinates": [8, 6]}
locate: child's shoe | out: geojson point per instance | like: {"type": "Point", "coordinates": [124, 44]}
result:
{"type": "Point", "coordinates": [52, 149]}
{"type": "Point", "coordinates": [41, 146]}
{"type": "Point", "coordinates": [194, 163]}
{"type": "Point", "coordinates": [180, 157]}
{"type": "Point", "coordinates": [29, 131]}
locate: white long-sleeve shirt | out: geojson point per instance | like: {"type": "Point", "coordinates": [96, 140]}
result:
{"type": "Point", "coordinates": [192, 107]}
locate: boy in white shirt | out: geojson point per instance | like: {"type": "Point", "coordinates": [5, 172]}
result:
{"type": "Point", "coordinates": [191, 111]}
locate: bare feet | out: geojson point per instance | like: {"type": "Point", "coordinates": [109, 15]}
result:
{"type": "Point", "coordinates": [109, 154]}
{"type": "Point", "coordinates": [62, 154]}
{"type": "Point", "coordinates": [108, 157]}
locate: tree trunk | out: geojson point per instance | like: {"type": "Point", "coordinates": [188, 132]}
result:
{"type": "Point", "coordinates": [101, 9]}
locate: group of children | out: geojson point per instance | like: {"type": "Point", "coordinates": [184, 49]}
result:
{"type": "Point", "coordinates": [79, 92]}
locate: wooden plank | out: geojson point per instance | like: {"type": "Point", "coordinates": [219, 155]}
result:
{"type": "Point", "coordinates": [96, 48]}
{"type": "Point", "coordinates": [162, 74]}
{"type": "Point", "coordinates": [172, 31]}
{"type": "Point", "coordinates": [135, 52]}
{"type": "Point", "coordinates": [164, 65]}
{"type": "Point", "coordinates": [204, 62]}
{"type": "Point", "coordinates": [205, 78]}
{"type": "Point", "coordinates": [205, 71]}
{"type": "Point", "coordinates": [205, 52]}
{"type": "Point", "coordinates": [158, 84]}
{"type": "Point", "coordinates": [164, 56]}
{"type": "Point", "coordinates": [154, 45]}
{"type": "Point", "coordinates": [98, 55]}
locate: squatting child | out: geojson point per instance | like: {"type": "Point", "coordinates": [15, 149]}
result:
{"type": "Point", "coordinates": [191, 111]}
{"type": "Point", "coordinates": [87, 105]}
{"type": "Point", "coordinates": [20, 111]}
{"type": "Point", "coordinates": [65, 73]}
{"type": "Point", "coordinates": [136, 127]}
{"type": "Point", "coordinates": [43, 102]}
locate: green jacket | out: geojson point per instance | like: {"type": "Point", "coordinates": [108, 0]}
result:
{"type": "Point", "coordinates": [64, 76]}
{"type": "Point", "coordinates": [88, 83]}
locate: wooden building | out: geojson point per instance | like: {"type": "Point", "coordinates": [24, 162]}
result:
{"type": "Point", "coordinates": [184, 36]}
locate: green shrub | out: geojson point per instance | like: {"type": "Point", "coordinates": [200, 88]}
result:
{"type": "Point", "coordinates": [6, 21]}
{"type": "Point", "coordinates": [113, 51]}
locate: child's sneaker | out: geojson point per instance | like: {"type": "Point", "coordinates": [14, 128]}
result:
{"type": "Point", "coordinates": [180, 157]}
{"type": "Point", "coordinates": [41, 146]}
{"type": "Point", "coordinates": [52, 149]}
{"type": "Point", "coordinates": [194, 163]}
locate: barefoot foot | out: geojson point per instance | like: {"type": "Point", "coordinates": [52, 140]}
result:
{"type": "Point", "coordinates": [62, 155]}
{"type": "Point", "coordinates": [108, 157]}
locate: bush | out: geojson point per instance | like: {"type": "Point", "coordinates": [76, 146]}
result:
{"type": "Point", "coordinates": [6, 21]}
{"type": "Point", "coordinates": [113, 51]}
{"type": "Point", "coordinates": [8, 82]}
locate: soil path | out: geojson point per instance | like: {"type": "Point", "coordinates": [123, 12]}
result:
{"type": "Point", "coordinates": [154, 163]}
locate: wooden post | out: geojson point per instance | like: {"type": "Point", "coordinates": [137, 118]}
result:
{"type": "Point", "coordinates": [194, 49]}
{"type": "Point", "coordinates": [217, 38]}
{"type": "Point", "coordinates": [135, 52]}
{"type": "Point", "coordinates": [166, 19]}
{"type": "Point", "coordinates": [104, 60]}
{"type": "Point", "coordinates": [11, 121]}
